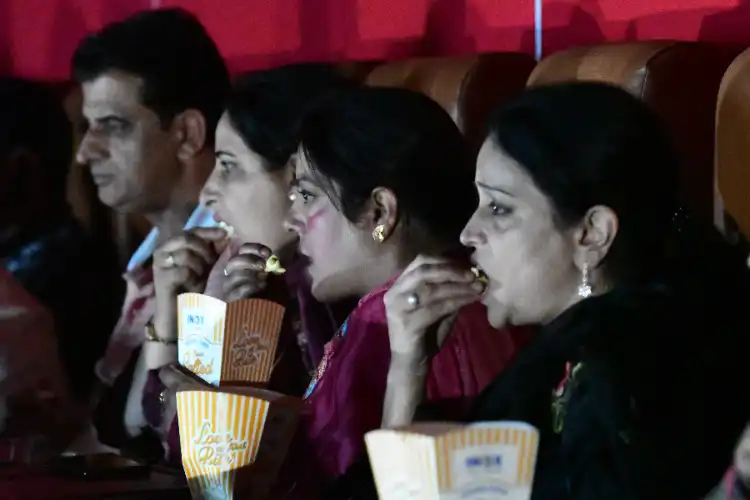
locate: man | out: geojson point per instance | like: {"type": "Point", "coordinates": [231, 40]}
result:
{"type": "Point", "coordinates": [153, 91]}
{"type": "Point", "coordinates": [42, 245]}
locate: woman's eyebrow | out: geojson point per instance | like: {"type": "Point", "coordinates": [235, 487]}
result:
{"type": "Point", "coordinates": [493, 188]}
{"type": "Point", "coordinates": [305, 178]}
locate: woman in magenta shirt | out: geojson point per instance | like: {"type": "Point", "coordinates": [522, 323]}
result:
{"type": "Point", "coordinates": [384, 176]}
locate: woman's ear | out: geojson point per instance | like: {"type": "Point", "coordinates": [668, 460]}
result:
{"type": "Point", "coordinates": [595, 235]}
{"type": "Point", "coordinates": [383, 212]}
{"type": "Point", "coordinates": [190, 130]}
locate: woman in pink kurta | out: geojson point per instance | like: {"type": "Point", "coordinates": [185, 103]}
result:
{"type": "Point", "coordinates": [347, 400]}
{"type": "Point", "coordinates": [383, 176]}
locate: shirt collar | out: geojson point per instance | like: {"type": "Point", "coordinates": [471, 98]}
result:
{"type": "Point", "coordinates": [201, 217]}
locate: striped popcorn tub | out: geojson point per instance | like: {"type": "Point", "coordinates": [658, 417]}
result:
{"type": "Point", "coordinates": [233, 443]}
{"type": "Point", "coordinates": [228, 344]}
{"type": "Point", "coordinates": [444, 461]}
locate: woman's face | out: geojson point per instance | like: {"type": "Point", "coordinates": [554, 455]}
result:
{"type": "Point", "coordinates": [338, 250]}
{"type": "Point", "coordinates": [244, 194]}
{"type": "Point", "coordinates": [529, 261]}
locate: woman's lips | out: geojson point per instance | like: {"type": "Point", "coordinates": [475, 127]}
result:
{"type": "Point", "coordinates": [480, 275]}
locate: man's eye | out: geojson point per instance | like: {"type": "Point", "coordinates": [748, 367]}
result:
{"type": "Point", "coordinates": [113, 125]}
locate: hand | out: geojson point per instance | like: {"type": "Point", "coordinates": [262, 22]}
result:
{"type": "Point", "coordinates": [173, 376]}
{"type": "Point", "coordinates": [184, 262]}
{"type": "Point", "coordinates": [426, 292]}
{"type": "Point", "coordinates": [181, 264]}
{"type": "Point", "coordinates": [245, 272]}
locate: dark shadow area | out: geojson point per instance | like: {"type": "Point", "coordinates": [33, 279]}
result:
{"type": "Point", "coordinates": [6, 58]}
{"type": "Point", "coordinates": [447, 29]}
{"type": "Point", "coordinates": [117, 10]}
{"type": "Point", "coordinates": [68, 27]}
{"type": "Point", "coordinates": [729, 26]}
{"type": "Point", "coordinates": [315, 30]}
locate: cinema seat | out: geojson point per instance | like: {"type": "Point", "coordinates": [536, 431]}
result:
{"type": "Point", "coordinates": [468, 88]}
{"type": "Point", "coordinates": [679, 80]}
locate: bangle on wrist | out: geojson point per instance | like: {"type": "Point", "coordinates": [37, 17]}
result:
{"type": "Point", "coordinates": [152, 336]}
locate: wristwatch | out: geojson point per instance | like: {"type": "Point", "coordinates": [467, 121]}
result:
{"type": "Point", "coordinates": [152, 336]}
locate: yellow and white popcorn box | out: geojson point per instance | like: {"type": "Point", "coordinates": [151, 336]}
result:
{"type": "Point", "coordinates": [228, 344]}
{"type": "Point", "coordinates": [446, 461]}
{"type": "Point", "coordinates": [233, 443]}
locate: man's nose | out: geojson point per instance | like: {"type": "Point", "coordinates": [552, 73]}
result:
{"type": "Point", "coordinates": [90, 150]}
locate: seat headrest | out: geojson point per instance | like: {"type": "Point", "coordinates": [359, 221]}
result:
{"type": "Point", "coordinates": [679, 80]}
{"type": "Point", "coordinates": [467, 88]}
{"type": "Point", "coordinates": [733, 142]}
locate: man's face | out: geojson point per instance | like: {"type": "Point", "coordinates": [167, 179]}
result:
{"type": "Point", "coordinates": [133, 159]}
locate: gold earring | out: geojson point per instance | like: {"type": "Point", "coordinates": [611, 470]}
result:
{"type": "Point", "coordinates": [378, 234]}
{"type": "Point", "coordinates": [584, 289]}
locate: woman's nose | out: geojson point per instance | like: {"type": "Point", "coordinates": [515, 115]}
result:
{"type": "Point", "coordinates": [472, 236]}
{"type": "Point", "coordinates": [208, 196]}
{"type": "Point", "coordinates": [210, 193]}
{"type": "Point", "coordinates": [292, 223]}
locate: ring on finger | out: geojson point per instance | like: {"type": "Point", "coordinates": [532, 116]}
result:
{"type": "Point", "coordinates": [169, 260]}
{"type": "Point", "coordinates": [413, 300]}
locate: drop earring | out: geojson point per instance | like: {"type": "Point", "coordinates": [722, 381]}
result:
{"type": "Point", "coordinates": [584, 289]}
{"type": "Point", "coordinates": [378, 234]}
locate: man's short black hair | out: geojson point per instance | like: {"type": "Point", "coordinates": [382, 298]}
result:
{"type": "Point", "coordinates": [171, 51]}
{"type": "Point", "coordinates": [32, 118]}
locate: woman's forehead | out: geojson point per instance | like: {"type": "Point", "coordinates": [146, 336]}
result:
{"type": "Point", "coordinates": [301, 164]}
{"type": "Point", "coordinates": [227, 135]}
{"type": "Point", "coordinates": [498, 169]}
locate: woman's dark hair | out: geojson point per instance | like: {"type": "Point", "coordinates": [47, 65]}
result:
{"type": "Point", "coordinates": [587, 144]}
{"type": "Point", "coordinates": [401, 140]}
{"type": "Point", "coordinates": [267, 107]}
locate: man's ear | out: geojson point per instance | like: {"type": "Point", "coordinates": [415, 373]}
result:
{"type": "Point", "coordinates": [189, 128]}
{"type": "Point", "coordinates": [595, 235]}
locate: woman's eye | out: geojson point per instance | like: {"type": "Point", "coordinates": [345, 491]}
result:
{"type": "Point", "coordinates": [226, 166]}
{"type": "Point", "coordinates": [305, 195]}
{"type": "Point", "coordinates": [498, 209]}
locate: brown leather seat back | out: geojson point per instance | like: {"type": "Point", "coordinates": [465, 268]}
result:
{"type": "Point", "coordinates": [467, 88]}
{"type": "Point", "coordinates": [679, 80]}
{"type": "Point", "coordinates": [733, 144]}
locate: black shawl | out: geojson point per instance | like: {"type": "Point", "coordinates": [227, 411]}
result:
{"type": "Point", "coordinates": [660, 398]}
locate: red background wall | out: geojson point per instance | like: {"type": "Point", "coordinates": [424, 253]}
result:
{"type": "Point", "coordinates": [37, 37]}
